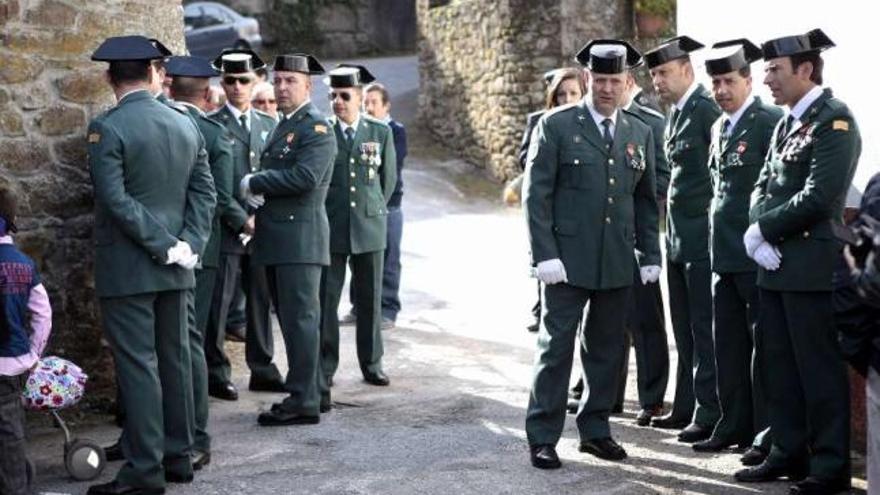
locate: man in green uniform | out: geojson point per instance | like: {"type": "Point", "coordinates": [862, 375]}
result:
{"type": "Point", "coordinates": [292, 234]}
{"type": "Point", "coordinates": [797, 202]}
{"type": "Point", "coordinates": [190, 87]}
{"type": "Point", "coordinates": [590, 204]}
{"type": "Point", "coordinates": [248, 130]}
{"type": "Point", "coordinates": [687, 237]}
{"type": "Point", "coordinates": [740, 140]}
{"type": "Point", "coordinates": [364, 176]}
{"type": "Point", "coordinates": [646, 325]}
{"type": "Point", "coordinates": [154, 200]}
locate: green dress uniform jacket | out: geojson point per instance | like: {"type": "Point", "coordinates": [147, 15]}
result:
{"type": "Point", "coordinates": [134, 225]}
{"type": "Point", "coordinates": [690, 189]}
{"type": "Point", "coordinates": [364, 176]}
{"type": "Point", "coordinates": [296, 166]}
{"type": "Point", "coordinates": [246, 149]}
{"type": "Point", "coordinates": [220, 160]}
{"type": "Point", "coordinates": [588, 206]}
{"type": "Point", "coordinates": [657, 122]}
{"type": "Point", "coordinates": [734, 166]}
{"type": "Point", "coordinates": [801, 192]}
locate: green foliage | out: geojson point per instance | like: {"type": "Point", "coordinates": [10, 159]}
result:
{"type": "Point", "coordinates": [294, 23]}
{"type": "Point", "coordinates": [661, 8]}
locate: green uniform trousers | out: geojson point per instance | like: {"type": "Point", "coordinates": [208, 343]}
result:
{"type": "Point", "coordinates": [735, 304]}
{"type": "Point", "coordinates": [259, 343]}
{"type": "Point", "coordinates": [148, 334]}
{"type": "Point", "coordinates": [205, 281]}
{"type": "Point", "coordinates": [646, 331]}
{"type": "Point", "coordinates": [219, 368]}
{"type": "Point", "coordinates": [366, 275]}
{"type": "Point", "coordinates": [601, 353]}
{"type": "Point", "coordinates": [294, 289]}
{"type": "Point", "coordinates": [806, 381]}
{"type": "Point", "coordinates": [690, 308]}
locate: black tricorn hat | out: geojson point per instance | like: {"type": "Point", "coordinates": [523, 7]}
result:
{"type": "Point", "coordinates": [189, 67]}
{"type": "Point", "coordinates": [348, 76]}
{"type": "Point", "coordinates": [550, 74]}
{"type": "Point", "coordinates": [237, 61]}
{"type": "Point", "coordinates": [606, 56]}
{"type": "Point", "coordinates": [118, 48]}
{"type": "Point", "coordinates": [162, 48]}
{"type": "Point", "coordinates": [813, 41]}
{"type": "Point", "coordinates": [671, 49]}
{"type": "Point", "coordinates": [732, 55]}
{"type": "Point", "coordinates": [298, 62]}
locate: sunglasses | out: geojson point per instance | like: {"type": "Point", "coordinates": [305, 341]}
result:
{"type": "Point", "coordinates": [344, 96]}
{"type": "Point", "coordinates": [231, 80]}
{"type": "Point", "coordinates": [263, 101]}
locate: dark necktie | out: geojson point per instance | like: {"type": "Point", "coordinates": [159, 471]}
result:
{"type": "Point", "coordinates": [349, 135]}
{"type": "Point", "coordinates": [785, 127]}
{"type": "Point", "coordinates": [725, 132]}
{"type": "Point", "coordinates": [675, 113]}
{"type": "Point", "coordinates": [244, 121]}
{"type": "Point", "coordinates": [606, 134]}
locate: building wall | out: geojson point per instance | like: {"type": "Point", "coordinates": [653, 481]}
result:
{"type": "Point", "coordinates": [49, 89]}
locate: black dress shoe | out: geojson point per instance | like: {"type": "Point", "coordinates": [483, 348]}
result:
{"type": "Point", "coordinates": [224, 391]}
{"type": "Point", "coordinates": [113, 452]}
{"type": "Point", "coordinates": [645, 415]}
{"type": "Point", "coordinates": [768, 472]}
{"type": "Point", "coordinates": [820, 486]}
{"type": "Point", "coordinates": [544, 457]}
{"type": "Point", "coordinates": [172, 477]}
{"type": "Point", "coordinates": [714, 445]}
{"type": "Point", "coordinates": [753, 456]}
{"type": "Point", "coordinates": [378, 378]}
{"type": "Point", "coordinates": [117, 488]}
{"type": "Point", "coordinates": [200, 459]}
{"type": "Point", "coordinates": [278, 417]}
{"type": "Point", "coordinates": [617, 409]}
{"type": "Point", "coordinates": [261, 385]}
{"type": "Point", "coordinates": [603, 448]}
{"type": "Point", "coordinates": [235, 334]}
{"type": "Point", "coordinates": [669, 423]}
{"type": "Point", "coordinates": [694, 433]}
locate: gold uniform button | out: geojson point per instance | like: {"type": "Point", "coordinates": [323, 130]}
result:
{"type": "Point", "coordinates": [353, 204]}
{"type": "Point", "coordinates": [253, 154]}
{"type": "Point", "coordinates": [769, 196]}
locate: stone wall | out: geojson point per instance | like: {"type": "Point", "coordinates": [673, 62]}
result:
{"type": "Point", "coordinates": [49, 89]}
{"type": "Point", "coordinates": [481, 66]}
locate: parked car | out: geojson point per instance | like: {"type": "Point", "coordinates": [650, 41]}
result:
{"type": "Point", "coordinates": [210, 27]}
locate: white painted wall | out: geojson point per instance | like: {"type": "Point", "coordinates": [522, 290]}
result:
{"type": "Point", "coordinates": [852, 68]}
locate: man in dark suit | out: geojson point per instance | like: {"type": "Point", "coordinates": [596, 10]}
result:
{"type": "Point", "coordinates": [590, 204]}
{"type": "Point", "coordinates": [248, 130]}
{"type": "Point", "coordinates": [689, 276]}
{"type": "Point", "coordinates": [740, 140]}
{"type": "Point", "coordinates": [795, 207]}
{"type": "Point", "coordinates": [154, 201]}
{"type": "Point", "coordinates": [292, 241]}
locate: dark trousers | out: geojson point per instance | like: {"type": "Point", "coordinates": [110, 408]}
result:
{"type": "Point", "coordinates": [690, 308]}
{"type": "Point", "coordinates": [219, 368]}
{"type": "Point", "coordinates": [601, 346]}
{"type": "Point", "coordinates": [536, 309]}
{"type": "Point", "coordinates": [259, 343]}
{"type": "Point", "coordinates": [391, 269]}
{"type": "Point", "coordinates": [646, 331]}
{"type": "Point", "coordinates": [735, 305]}
{"type": "Point", "coordinates": [205, 281]}
{"type": "Point", "coordinates": [366, 276]}
{"type": "Point", "coordinates": [149, 336]}
{"type": "Point", "coordinates": [806, 381]}
{"type": "Point", "coordinates": [13, 461]}
{"type": "Point", "coordinates": [294, 289]}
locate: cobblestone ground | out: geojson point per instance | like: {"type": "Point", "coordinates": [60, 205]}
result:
{"type": "Point", "coordinates": [459, 361]}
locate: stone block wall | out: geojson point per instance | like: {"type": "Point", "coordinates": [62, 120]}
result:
{"type": "Point", "coordinates": [49, 90]}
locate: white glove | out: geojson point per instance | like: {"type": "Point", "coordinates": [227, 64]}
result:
{"type": "Point", "coordinates": [649, 274]}
{"type": "Point", "coordinates": [552, 271]}
{"type": "Point", "coordinates": [245, 185]}
{"type": "Point", "coordinates": [255, 201]}
{"type": "Point", "coordinates": [189, 262]}
{"type": "Point", "coordinates": [178, 252]}
{"type": "Point", "coordinates": [768, 256]}
{"type": "Point", "coordinates": [752, 239]}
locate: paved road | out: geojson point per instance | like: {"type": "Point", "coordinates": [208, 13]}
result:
{"type": "Point", "coordinates": [459, 361]}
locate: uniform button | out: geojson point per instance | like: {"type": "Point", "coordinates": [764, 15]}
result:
{"type": "Point", "coordinates": [611, 181]}
{"type": "Point", "coordinates": [352, 189]}
{"type": "Point", "coordinates": [351, 160]}
{"type": "Point", "coordinates": [253, 154]}
{"type": "Point", "coordinates": [769, 196]}
{"type": "Point", "coordinates": [353, 204]}
{"type": "Point", "coordinates": [576, 161]}
{"type": "Point", "coordinates": [607, 219]}
{"type": "Point", "coordinates": [611, 161]}
{"type": "Point", "coordinates": [352, 175]}
{"type": "Point", "coordinates": [610, 201]}
{"type": "Point", "coordinates": [290, 217]}
{"type": "Point", "coordinates": [806, 235]}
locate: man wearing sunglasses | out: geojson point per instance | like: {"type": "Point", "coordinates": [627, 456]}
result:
{"type": "Point", "coordinates": [264, 99]}
{"type": "Point", "coordinates": [247, 131]}
{"type": "Point", "coordinates": [293, 244]}
{"type": "Point", "coordinates": [364, 177]}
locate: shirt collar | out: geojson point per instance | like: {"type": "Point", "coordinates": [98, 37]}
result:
{"type": "Point", "coordinates": [190, 105]}
{"type": "Point", "coordinates": [6, 239]}
{"type": "Point", "coordinates": [125, 95]}
{"type": "Point", "coordinates": [236, 112]}
{"type": "Point", "coordinates": [687, 94]}
{"type": "Point", "coordinates": [297, 109]}
{"type": "Point", "coordinates": [797, 111]}
{"type": "Point", "coordinates": [343, 126]}
{"type": "Point", "coordinates": [598, 117]}
{"type": "Point", "coordinates": [734, 118]}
